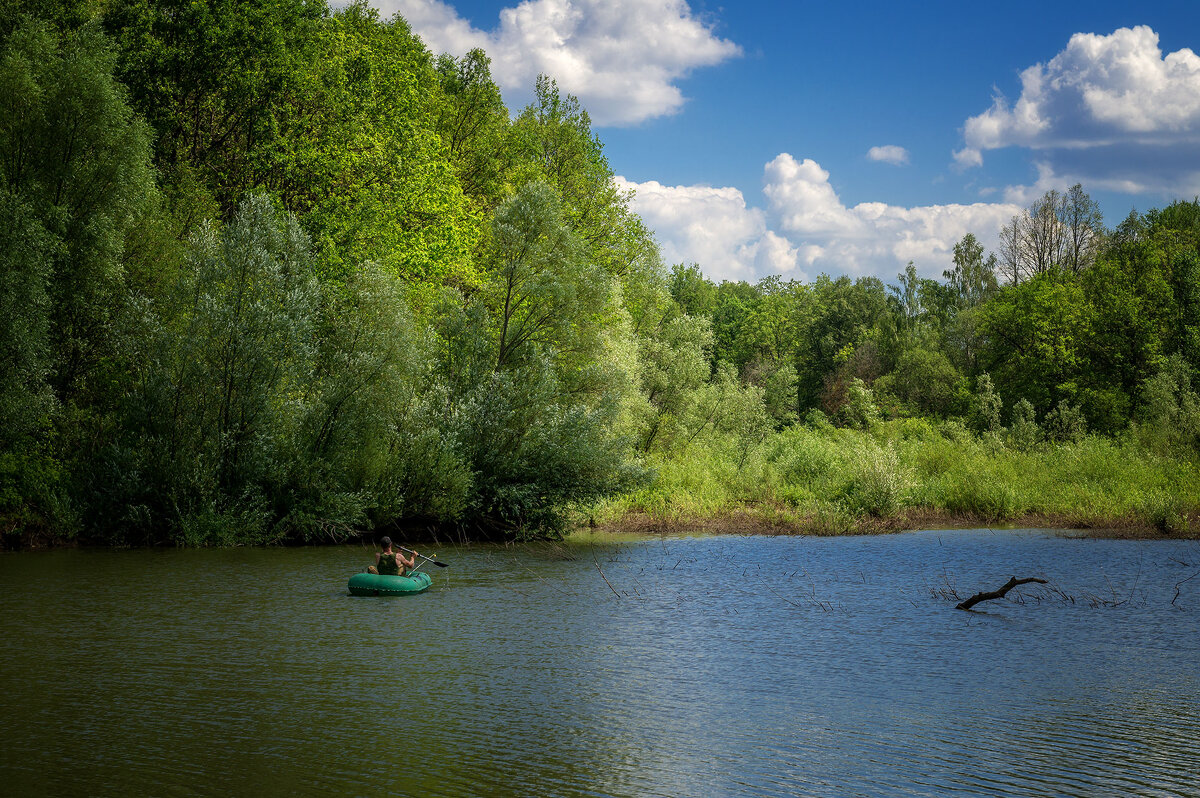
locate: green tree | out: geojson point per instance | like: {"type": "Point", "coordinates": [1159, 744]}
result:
{"type": "Point", "coordinates": [366, 169]}
{"type": "Point", "coordinates": [1035, 335]}
{"type": "Point", "coordinates": [837, 317]}
{"type": "Point", "coordinates": [216, 81]}
{"type": "Point", "coordinates": [674, 365]}
{"type": "Point", "coordinates": [222, 388]}
{"type": "Point", "coordinates": [544, 293]}
{"type": "Point", "coordinates": [552, 140]}
{"type": "Point", "coordinates": [474, 125]}
{"type": "Point", "coordinates": [927, 381]}
{"type": "Point", "coordinates": [971, 283]}
{"type": "Point", "coordinates": [694, 293]}
{"type": "Point", "coordinates": [25, 259]}
{"type": "Point", "coordinates": [75, 157]}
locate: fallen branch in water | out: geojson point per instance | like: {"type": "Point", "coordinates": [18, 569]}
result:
{"type": "Point", "coordinates": [602, 576]}
{"type": "Point", "coordinates": [995, 594]}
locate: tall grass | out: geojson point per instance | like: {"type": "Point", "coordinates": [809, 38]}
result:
{"type": "Point", "coordinates": [827, 480]}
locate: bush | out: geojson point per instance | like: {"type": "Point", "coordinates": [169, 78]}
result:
{"type": "Point", "coordinates": [928, 381]}
{"type": "Point", "coordinates": [1024, 432]}
{"type": "Point", "coordinates": [986, 406]}
{"type": "Point", "coordinates": [1065, 423]}
{"type": "Point", "coordinates": [877, 484]}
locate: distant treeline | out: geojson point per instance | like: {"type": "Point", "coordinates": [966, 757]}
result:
{"type": "Point", "coordinates": [273, 272]}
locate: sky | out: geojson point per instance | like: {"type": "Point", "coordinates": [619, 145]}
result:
{"type": "Point", "coordinates": [798, 138]}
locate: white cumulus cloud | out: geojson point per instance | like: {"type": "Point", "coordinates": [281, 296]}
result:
{"type": "Point", "coordinates": [1111, 110]}
{"type": "Point", "coordinates": [714, 228]}
{"type": "Point", "coordinates": [622, 58]}
{"type": "Point", "coordinates": [806, 228]}
{"type": "Point", "coordinates": [889, 153]}
{"type": "Point", "coordinates": [872, 237]}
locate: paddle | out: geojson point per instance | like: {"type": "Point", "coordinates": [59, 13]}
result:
{"type": "Point", "coordinates": [423, 557]}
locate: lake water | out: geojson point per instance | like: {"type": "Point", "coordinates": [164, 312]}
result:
{"type": "Point", "coordinates": [677, 667]}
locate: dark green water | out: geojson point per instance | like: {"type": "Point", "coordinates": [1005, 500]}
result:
{"type": "Point", "coordinates": [712, 666]}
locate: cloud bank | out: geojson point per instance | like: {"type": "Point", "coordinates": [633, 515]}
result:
{"type": "Point", "coordinates": [1110, 111]}
{"type": "Point", "coordinates": [806, 229]}
{"type": "Point", "coordinates": [622, 58]}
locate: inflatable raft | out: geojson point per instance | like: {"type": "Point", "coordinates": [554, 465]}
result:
{"type": "Point", "coordinates": [366, 584]}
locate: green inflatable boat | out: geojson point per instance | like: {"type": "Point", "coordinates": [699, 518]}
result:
{"type": "Point", "coordinates": [366, 584]}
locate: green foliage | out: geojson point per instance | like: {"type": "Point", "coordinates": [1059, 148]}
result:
{"type": "Point", "coordinates": [1023, 432]}
{"type": "Point", "coordinates": [534, 448]}
{"type": "Point", "coordinates": [421, 311]}
{"type": "Point", "coordinates": [1036, 333]}
{"type": "Point", "coordinates": [222, 388]}
{"type": "Point", "coordinates": [216, 82]}
{"type": "Point", "coordinates": [694, 293]}
{"type": "Point", "coordinates": [859, 411]}
{"type": "Point", "coordinates": [988, 496]}
{"type": "Point", "coordinates": [473, 123]}
{"type": "Point", "coordinates": [1065, 423]}
{"type": "Point", "coordinates": [374, 432]}
{"type": "Point", "coordinates": [986, 406]}
{"type": "Point", "coordinates": [25, 397]}
{"type": "Point", "coordinates": [926, 380]}
{"type": "Point", "coordinates": [541, 289]}
{"type": "Point", "coordinates": [366, 168]}
{"type": "Point", "coordinates": [74, 162]}
{"type": "Point", "coordinates": [1170, 414]}
{"type": "Point", "coordinates": [877, 482]}
{"type": "Point", "coordinates": [552, 140]}
{"type": "Point", "coordinates": [674, 365]}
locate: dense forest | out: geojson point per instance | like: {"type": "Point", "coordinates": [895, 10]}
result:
{"type": "Point", "coordinates": [274, 272]}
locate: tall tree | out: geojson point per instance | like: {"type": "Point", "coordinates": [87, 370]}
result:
{"type": "Point", "coordinates": [1057, 231]}
{"type": "Point", "coordinates": [1084, 227]}
{"type": "Point", "coordinates": [73, 157]}
{"type": "Point", "coordinates": [474, 124]}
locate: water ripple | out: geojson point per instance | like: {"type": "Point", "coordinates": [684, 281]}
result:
{"type": "Point", "coordinates": [711, 666]}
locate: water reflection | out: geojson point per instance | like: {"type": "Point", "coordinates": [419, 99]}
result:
{"type": "Point", "coordinates": [712, 666]}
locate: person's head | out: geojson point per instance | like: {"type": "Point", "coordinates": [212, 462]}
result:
{"type": "Point", "coordinates": [386, 542]}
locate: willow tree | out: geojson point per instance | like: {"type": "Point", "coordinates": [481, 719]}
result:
{"type": "Point", "coordinates": [223, 386]}
{"type": "Point", "coordinates": [73, 154]}
{"type": "Point", "coordinates": [533, 391]}
{"type": "Point", "coordinates": [75, 179]}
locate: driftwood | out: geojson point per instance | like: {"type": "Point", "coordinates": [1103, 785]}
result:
{"type": "Point", "coordinates": [995, 594]}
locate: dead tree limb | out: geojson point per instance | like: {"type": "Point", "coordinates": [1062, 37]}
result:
{"type": "Point", "coordinates": [995, 594]}
{"type": "Point", "coordinates": [602, 576]}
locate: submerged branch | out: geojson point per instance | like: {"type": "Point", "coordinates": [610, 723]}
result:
{"type": "Point", "coordinates": [995, 594]}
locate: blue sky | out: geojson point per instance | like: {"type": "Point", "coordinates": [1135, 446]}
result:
{"type": "Point", "coordinates": [801, 138]}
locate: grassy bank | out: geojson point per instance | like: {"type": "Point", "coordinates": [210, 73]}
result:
{"type": "Point", "coordinates": [906, 474]}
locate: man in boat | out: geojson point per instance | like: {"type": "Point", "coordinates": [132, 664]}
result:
{"type": "Point", "coordinates": [391, 563]}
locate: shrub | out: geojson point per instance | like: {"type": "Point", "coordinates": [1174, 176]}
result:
{"type": "Point", "coordinates": [1024, 432]}
{"type": "Point", "coordinates": [1065, 423]}
{"type": "Point", "coordinates": [877, 484]}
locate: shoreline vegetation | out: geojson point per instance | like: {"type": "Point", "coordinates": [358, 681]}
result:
{"type": "Point", "coordinates": [277, 274]}
{"type": "Point", "coordinates": [910, 475]}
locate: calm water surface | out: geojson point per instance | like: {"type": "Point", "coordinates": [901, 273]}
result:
{"type": "Point", "coordinates": [676, 667]}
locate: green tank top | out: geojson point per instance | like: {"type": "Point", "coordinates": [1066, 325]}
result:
{"type": "Point", "coordinates": [388, 565]}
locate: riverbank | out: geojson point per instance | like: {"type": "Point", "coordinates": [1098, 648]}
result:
{"type": "Point", "coordinates": [898, 475]}
{"type": "Point", "coordinates": [751, 521]}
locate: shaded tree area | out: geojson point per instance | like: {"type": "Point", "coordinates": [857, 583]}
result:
{"type": "Point", "coordinates": [274, 272]}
